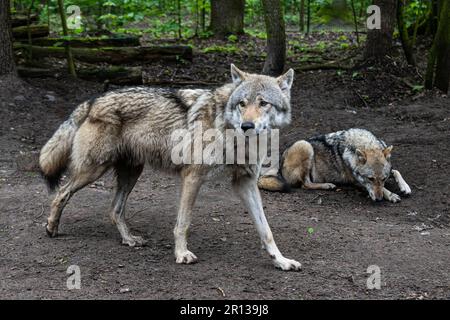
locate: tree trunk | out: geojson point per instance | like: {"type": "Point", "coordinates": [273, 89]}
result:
{"type": "Point", "coordinates": [115, 56]}
{"type": "Point", "coordinates": [308, 17]}
{"type": "Point", "coordinates": [302, 15]}
{"type": "Point", "coordinates": [227, 17]}
{"type": "Point", "coordinates": [18, 20]}
{"type": "Point", "coordinates": [88, 42]}
{"type": "Point", "coordinates": [439, 60]}
{"type": "Point", "coordinates": [203, 15]}
{"type": "Point", "coordinates": [7, 64]}
{"type": "Point", "coordinates": [36, 31]}
{"type": "Point", "coordinates": [62, 13]}
{"type": "Point", "coordinates": [379, 41]}
{"type": "Point", "coordinates": [404, 36]}
{"type": "Point", "coordinates": [276, 37]}
{"type": "Point", "coordinates": [355, 20]}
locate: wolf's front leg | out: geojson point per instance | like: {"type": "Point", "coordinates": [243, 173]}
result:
{"type": "Point", "coordinates": [192, 182]}
{"type": "Point", "coordinates": [404, 187]}
{"type": "Point", "coordinates": [248, 192]}
{"type": "Point", "coordinates": [390, 196]}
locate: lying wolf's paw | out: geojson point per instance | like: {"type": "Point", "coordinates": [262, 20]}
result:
{"type": "Point", "coordinates": [134, 241]}
{"type": "Point", "coordinates": [405, 189]}
{"type": "Point", "coordinates": [287, 264]}
{"type": "Point", "coordinates": [394, 198]}
{"type": "Point", "coordinates": [329, 186]}
{"type": "Point", "coordinates": [185, 257]}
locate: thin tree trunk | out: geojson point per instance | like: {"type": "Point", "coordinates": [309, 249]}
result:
{"type": "Point", "coordinates": [276, 37]}
{"type": "Point", "coordinates": [30, 42]}
{"type": "Point", "coordinates": [70, 63]}
{"type": "Point", "coordinates": [442, 78]}
{"type": "Point", "coordinates": [7, 64]}
{"type": "Point", "coordinates": [404, 36]}
{"type": "Point", "coordinates": [355, 20]}
{"type": "Point", "coordinates": [48, 13]}
{"type": "Point", "coordinates": [179, 18]}
{"type": "Point", "coordinates": [197, 18]}
{"type": "Point", "coordinates": [302, 15]}
{"type": "Point", "coordinates": [308, 22]}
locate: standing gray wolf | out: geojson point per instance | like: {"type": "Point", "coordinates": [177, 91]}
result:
{"type": "Point", "coordinates": [127, 128]}
{"type": "Point", "coordinates": [353, 156]}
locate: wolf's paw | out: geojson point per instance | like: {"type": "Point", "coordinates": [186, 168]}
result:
{"type": "Point", "coordinates": [405, 189]}
{"type": "Point", "coordinates": [394, 198]}
{"type": "Point", "coordinates": [287, 264]}
{"type": "Point", "coordinates": [134, 241]}
{"type": "Point", "coordinates": [185, 257]}
{"type": "Point", "coordinates": [329, 186]}
{"type": "Point", "coordinates": [51, 232]}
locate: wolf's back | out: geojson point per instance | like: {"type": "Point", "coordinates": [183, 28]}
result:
{"type": "Point", "coordinates": [55, 154]}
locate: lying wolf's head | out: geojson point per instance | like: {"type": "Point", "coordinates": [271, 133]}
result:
{"type": "Point", "coordinates": [373, 168]}
{"type": "Point", "coordinates": [259, 102]}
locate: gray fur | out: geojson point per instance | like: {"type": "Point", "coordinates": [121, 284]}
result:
{"type": "Point", "coordinates": [128, 128]}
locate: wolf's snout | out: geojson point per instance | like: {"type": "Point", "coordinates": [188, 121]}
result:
{"type": "Point", "coordinates": [247, 126]}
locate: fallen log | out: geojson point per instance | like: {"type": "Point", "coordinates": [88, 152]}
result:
{"type": "Point", "coordinates": [113, 55]}
{"type": "Point", "coordinates": [114, 75]}
{"type": "Point", "coordinates": [36, 30]}
{"type": "Point", "coordinates": [18, 20]}
{"type": "Point", "coordinates": [91, 42]}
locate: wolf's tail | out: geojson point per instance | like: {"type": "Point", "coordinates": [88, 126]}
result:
{"type": "Point", "coordinates": [55, 155]}
{"type": "Point", "coordinates": [273, 183]}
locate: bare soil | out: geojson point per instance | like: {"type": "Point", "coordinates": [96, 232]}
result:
{"type": "Point", "coordinates": [336, 235]}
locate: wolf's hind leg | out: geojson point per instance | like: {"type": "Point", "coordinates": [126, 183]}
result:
{"type": "Point", "coordinates": [127, 176]}
{"type": "Point", "coordinates": [192, 181]}
{"type": "Point", "coordinates": [78, 180]}
{"type": "Point", "coordinates": [247, 190]}
{"type": "Point", "coordinates": [390, 196]}
{"type": "Point", "coordinates": [404, 187]}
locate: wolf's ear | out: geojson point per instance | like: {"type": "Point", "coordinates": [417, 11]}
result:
{"type": "Point", "coordinates": [237, 75]}
{"type": "Point", "coordinates": [285, 81]}
{"type": "Point", "coordinates": [361, 156]}
{"type": "Point", "coordinates": [387, 152]}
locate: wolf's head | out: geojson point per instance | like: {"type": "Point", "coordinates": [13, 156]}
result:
{"type": "Point", "coordinates": [259, 102]}
{"type": "Point", "coordinates": [372, 168]}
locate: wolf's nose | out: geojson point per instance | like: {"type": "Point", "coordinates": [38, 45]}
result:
{"type": "Point", "coordinates": [247, 125]}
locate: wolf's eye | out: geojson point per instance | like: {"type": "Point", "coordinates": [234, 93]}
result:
{"type": "Point", "coordinates": [263, 103]}
{"type": "Point", "coordinates": [242, 104]}
{"type": "Point", "coordinates": [371, 178]}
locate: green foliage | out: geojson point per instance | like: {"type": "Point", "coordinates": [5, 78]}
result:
{"type": "Point", "coordinates": [416, 11]}
{"type": "Point", "coordinates": [232, 38]}
{"type": "Point", "coordinates": [159, 18]}
{"type": "Point", "coordinates": [256, 33]}
{"type": "Point", "coordinates": [221, 49]}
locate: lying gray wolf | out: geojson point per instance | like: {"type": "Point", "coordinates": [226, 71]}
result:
{"type": "Point", "coordinates": [353, 156]}
{"type": "Point", "coordinates": [127, 128]}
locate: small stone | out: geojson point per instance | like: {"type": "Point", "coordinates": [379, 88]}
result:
{"type": "Point", "coordinates": [124, 290]}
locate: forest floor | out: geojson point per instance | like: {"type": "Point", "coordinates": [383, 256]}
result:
{"type": "Point", "coordinates": [336, 235]}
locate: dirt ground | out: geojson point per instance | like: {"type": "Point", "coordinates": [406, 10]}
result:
{"type": "Point", "coordinates": [336, 235]}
